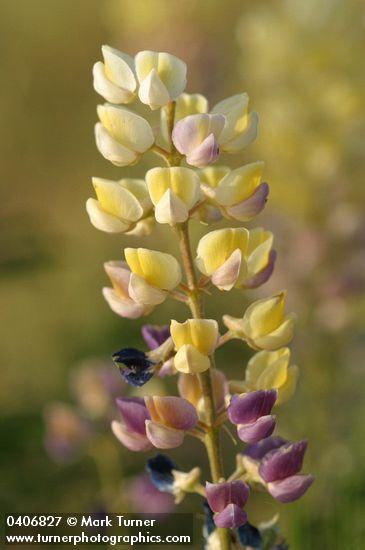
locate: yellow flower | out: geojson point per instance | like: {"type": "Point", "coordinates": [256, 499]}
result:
{"type": "Point", "coordinates": [173, 191]}
{"type": "Point", "coordinates": [236, 257]}
{"type": "Point", "coordinates": [115, 79]}
{"type": "Point", "coordinates": [195, 340]}
{"type": "Point", "coordinates": [121, 135]}
{"type": "Point", "coordinates": [240, 128]}
{"type": "Point", "coordinates": [240, 193]}
{"type": "Point", "coordinates": [264, 324]}
{"type": "Point", "coordinates": [161, 76]}
{"type": "Point", "coordinates": [269, 370]}
{"type": "Point", "coordinates": [154, 274]}
{"type": "Point", "coordinates": [119, 205]}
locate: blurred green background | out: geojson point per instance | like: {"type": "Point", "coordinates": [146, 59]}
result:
{"type": "Point", "coordinates": [302, 65]}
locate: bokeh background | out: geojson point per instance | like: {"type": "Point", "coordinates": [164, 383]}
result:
{"type": "Point", "coordinates": [302, 65]}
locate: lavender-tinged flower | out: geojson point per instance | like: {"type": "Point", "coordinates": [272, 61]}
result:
{"type": "Point", "coordinates": [283, 462]}
{"type": "Point", "coordinates": [131, 431]}
{"type": "Point", "coordinates": [227, 500]}
{"type": "Point", "coordinates": [134, 366]}
{"type": "Point", "coordinates": [257, 451]}
{"type": "Point", "coordinates": [66, 432]}
{"type": "Point", "coordinates": [251, 413]}
{"type": "Point", "coordinates": [154, 335]}
{"type": "Point", "coordinates": [196, 136]}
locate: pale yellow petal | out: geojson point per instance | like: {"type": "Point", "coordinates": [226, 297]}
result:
{"type": "Point", "coordinates": [130, 130]}
{"type": "Point", "coordinates": [119, 68]}
{"type": "Point", "coordinates": [143, 293]}
{"type": "Point", "coordinates": [184, 182]}
{"type": "Point", "coordinates": [116, 200]}
{"type": "Point", "coordinates": [286, 391]}
{"type": "Point", "coordinates": [153, 92]}
{"type": "Point", "coordinates": [157, 268]}
{"type": "Point", "coordinates": [189, 360]}
{"type": "Point", "coordinates": [170, 209]}
{"type": "Point", "coordinates": [240, 184]}
{"type": "Point", "coordinates": [104, 221]}
{"type": "Point", "coordinates": [264, 316]}
{"type": "Point", "coordinates": [112, 150]}
{"type": "Point", "coordinates": [217, 246]}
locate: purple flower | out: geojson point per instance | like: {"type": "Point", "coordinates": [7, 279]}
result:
{"type": "Point", "coordinates": [154, 335]}
{"type": "Point", "coordinates": [279, 462]}
{"type": "Point", "coordinates": [251, 413]}
{"type": "Point", "coordinates": [227, 500]}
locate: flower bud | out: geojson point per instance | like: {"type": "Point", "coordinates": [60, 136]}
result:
{"type": "Point", "coordinates": [240, 128]}
{"type": "Point", "coordinates": [264, 325]}
{"type": "Point", "coordinates": [115, 78]}
{"type": "Point", "coordinates": [118, 297]}
{"type": "Point", "coordinates": [119, 205]}
{"type": "Point", "coordinates": [291, 488]}
{"type": "Point", "coordinates": [121, 135]}
{"type": "Point", "coordinates": [173, 191]}
{"type": "Point", "coordinates": [195, 340]}
{"type": "Point", "coordinates": [161, 76]}
{"type": "Point", "coordinates": [154, 274]}
{"type": "Point", "coordinates": [196, 136]}
{"type": "Point", "coordinates": [283, 462]}
{"type": "Point", "coordinates": [268, 370]}
{"type": "Point", "coordinates": [241, 194]}
{"type": "Point", "coordinates": [251, 413]}
{"type": "Point", "coordinates": [236, 257]}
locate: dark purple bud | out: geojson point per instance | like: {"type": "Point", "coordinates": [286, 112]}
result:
{"type": "Point", "coordinates": [249, 407]}
{"type": "Point", "coordinates": [252, 433]}
{"type": "Point", "coordinates": [208, 515]}
{"type": "Point", "coordinates": [260, 449]}
{"type": "Point", "coordinates": [249, 536]}
{"type": "Point", "coordinates": [291, 488]}
{"type": "Point", "coordinates": [231, 517]}
{"type": "Point", "coordinates": [219, 495]}
{"type": "Point", "coordinates": [160, 469]}
{"type": "Point", "coordinates": [283, 462]}
{"type": "Point", "coordinates": [154, 335]}
{"type": "Point", "coordinates": [264, 275]}
{"type": "Point", "coordinates": [134, 413]}
{"type": "Point", "coordinates": [134, 366]}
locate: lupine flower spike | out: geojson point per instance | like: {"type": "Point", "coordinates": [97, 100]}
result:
{"type": "Point", "coordinates": [193, 187]}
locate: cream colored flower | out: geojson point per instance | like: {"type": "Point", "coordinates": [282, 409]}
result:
{"type": "Point", "coordinates": [240, 128]}
{"type": "Point", "coordinates": [173, 191]}
{"type": "Point", "coordinates": [236, 257]}
{"type": "Point", "coordinates": [121, 135]}
{"type": "Point", "coordinates": [161, 76]}
{"type": "Point", "coordinates": [115, 79]}
{"type": "Point", "coordinates": [264, 324]}
{"type": "Point", "coordinates": [195, 340]}
{"type": "Point", "coordinates": [154, 275]}
{"type": "Point", "coordinates": [119, 205]}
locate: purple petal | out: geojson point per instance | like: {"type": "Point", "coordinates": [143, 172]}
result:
{"type": "Point", "coordinates": [134, 412]}
{"type": "Point", "coordinates": [154, 335]}
{"type": "Point", "coordinates": [249, 208]}
{"type": "Point", "coordinates": [264, 275]}
{"type": "Point", "coordinates": [248, 407]}
{"type": "Point", "coordinates": [252, 433]}
{"type": "Point", "coordinates": [219, 495]}
{"type": "Point", "coordinates": [258, 450]}
{"type": "Point", "coordinates": [231, 517]}
{"type": "Point", "coordinates": [162, 437]}
{"type": "Point", "coordinates": [206, 153]}
{"type": "Point", "coordinates": [184, 134]}
{"type": "Point", "coordinates": [291, 488]}
{"type": "Point", "coordinates": [283, 462]}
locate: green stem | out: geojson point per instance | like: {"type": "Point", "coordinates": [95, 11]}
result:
{"type": "Point", "coordinates": [211, 440]}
